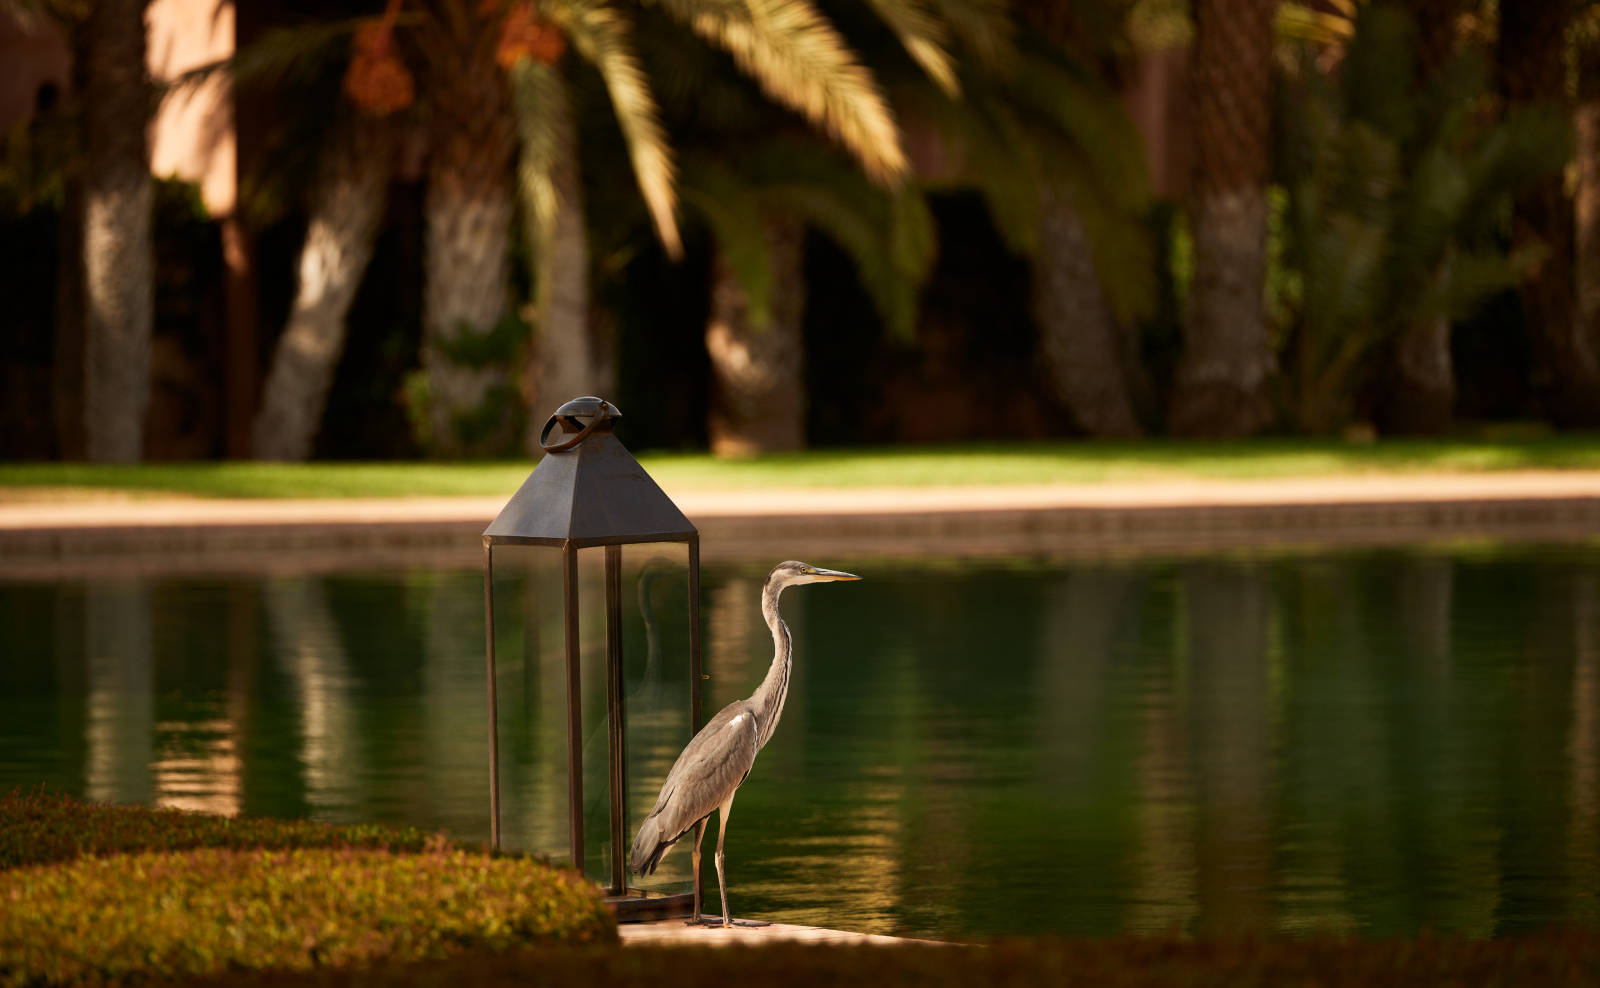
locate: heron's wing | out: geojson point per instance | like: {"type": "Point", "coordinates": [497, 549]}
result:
{"type": "Point", "coordinates": [704, 776]}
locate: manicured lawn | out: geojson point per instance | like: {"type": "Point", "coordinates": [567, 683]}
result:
{"type": "Point", "coordinates": [1015, 463]}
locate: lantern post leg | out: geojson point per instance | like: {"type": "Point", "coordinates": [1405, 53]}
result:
{"type": "Point", "coordinates": [694, 677]}
{"type": "Point", "coordinates": [569, 598]}
{"type": "Point", "coordinates": [494, 731]}
{"type": "Point", "coordinates": [615, 713]}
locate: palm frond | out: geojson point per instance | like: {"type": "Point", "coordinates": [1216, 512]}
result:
{"type": "Point", "coordinates": [889, 236]}
{"type": "Point", "coordinates": [601, 35]}
{"type": "Point", "coordinates": [798, 59]}
{"type": "Point", "coordinates": [731, 210]}
{"type": "Point", "coordinates": [282, 60]}
{"type": "Point", "coordinates": [982, 27]}
{"type": "Point", "coordinates": [924, 38]}
{"type": "Point", "coordinates": [540, 98]}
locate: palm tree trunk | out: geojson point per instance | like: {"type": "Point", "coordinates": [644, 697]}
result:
{"type": "Point", "coordinates": [758, 385]}
{"type": "Point", "coordinates": [1222, 379]}
{"type": "Point", "coordinates": [1587, 127]}
{"type": "Point", "coordinates": [1078, 335]}
{"type": "Point", "coordinates": [1422, 396]}
{"type": "Point", "coordinates": [118, 254]}
{"type": "Point", "coordinates": [1532, 69]}
{"type": "Point", "coordinates": [345, 208]}
{"type": "Point", "coordinates": [468, 215]}
{"type": "Point", "coordinates": [563, 362]}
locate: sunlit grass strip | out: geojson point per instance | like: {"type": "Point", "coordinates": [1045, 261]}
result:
{"type": "Point", "coordinates": [43, 827]}
{"type": "Point", "coordinates": [965, 465]}
{"type": "Point", "coordinates": [159, 916]}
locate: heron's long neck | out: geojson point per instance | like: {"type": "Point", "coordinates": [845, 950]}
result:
{"type": "Point", "coordinates": [769, 696]}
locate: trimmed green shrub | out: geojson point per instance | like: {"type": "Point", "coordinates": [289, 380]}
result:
{"type": "Point", "coordinates": [41, 826]}
{"type": "Point", "coordinates": [165, 915]}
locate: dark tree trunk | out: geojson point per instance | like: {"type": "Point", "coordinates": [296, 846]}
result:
{"type": "Point", "coordinates": [1223, 376]}
{"type": "Point", "coordinates": [565, 362]}
{"type": "Point", "coordinates": [1586, 122]}
{"type": "Point", "coordinates": [758, 385]}
{"type": "Point", "coordinates": [1421, 396]}
{"type": "Point", "coordinates": [118, 261]}
{"type": "Point", "coordinates": [67, 347]}
{"type": "Point", "coordinates": [1532, 70]}
{"type": "Point", "coordinates": [468, 215]}
{"type": "Point", "coordinates": [1078, 335]}
{"type": "Point", "coordinates": [346, 205]}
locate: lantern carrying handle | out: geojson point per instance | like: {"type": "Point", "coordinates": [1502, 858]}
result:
{"type": "Point", "coordinates": [583, 434]}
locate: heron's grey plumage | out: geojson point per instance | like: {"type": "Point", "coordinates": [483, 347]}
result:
{"type": "Point", "coordinates": [716, 761]}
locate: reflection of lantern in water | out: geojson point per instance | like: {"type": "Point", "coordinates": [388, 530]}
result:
{"type": "Point", "coordinates": [589, 492]}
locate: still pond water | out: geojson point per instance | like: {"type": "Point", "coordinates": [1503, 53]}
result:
{"type": "Point", "coordinates": [1377, 742]}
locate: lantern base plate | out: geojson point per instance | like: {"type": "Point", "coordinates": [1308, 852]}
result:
{"type": "Point", "coordinates": [642, 906]}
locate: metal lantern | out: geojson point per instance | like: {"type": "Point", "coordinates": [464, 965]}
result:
{"type": "Point", "coordinates": [589, 491]}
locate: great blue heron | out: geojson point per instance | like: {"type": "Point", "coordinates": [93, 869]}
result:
{"type": "Point", "coordinates": [717, 760]}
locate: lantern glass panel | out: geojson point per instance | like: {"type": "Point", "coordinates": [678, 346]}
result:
{"type": "Point", "coordinates": [531, 682]}
{"type": "Point", "coordinates": [531, 679]}
{"type": "Point", "coordinates": [655, 619]}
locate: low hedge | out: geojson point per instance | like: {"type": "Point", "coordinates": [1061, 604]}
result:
{"type": "Point", "coordinates": [42, 826]}
{"type": "Point", "coordinates": [157, 916]}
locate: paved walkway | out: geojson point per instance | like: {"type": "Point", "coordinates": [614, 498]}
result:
{"type": "Point", "coordinates": [707, 505]}
{"type": "Point", "coordinates": [96, 534]}
{"type": "Point", "coordinates": [677, 933]}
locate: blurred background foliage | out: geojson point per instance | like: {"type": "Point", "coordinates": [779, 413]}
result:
{"type": "Point", "coordinates": [769, 224]}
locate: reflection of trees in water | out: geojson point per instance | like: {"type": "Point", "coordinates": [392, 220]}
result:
{"type": "Point", "coordinates": [119, 733]}
{"type": "Point", "coordinates": [1163, 895]}
{"type": "Point", "coordinates": [1380, 741]}
{"type": "Point", "coordinates": [1086, 744]}
{"type": "Point", "coordinates": [311, 655]}
{"type": "Point", "coordinates": [1442, 878]}
{"type": "Point", "coordinates": [1535, 768]}
{"type": "Point", "coordinates": [1584, 749]}
{"type": "Point", "coordinates": [1226, 613]}
{"type": "Point", "coordinates": [455, 739]}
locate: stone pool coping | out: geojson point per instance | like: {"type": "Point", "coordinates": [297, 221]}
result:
{"type": "Point", "coordinates": [63, 537]}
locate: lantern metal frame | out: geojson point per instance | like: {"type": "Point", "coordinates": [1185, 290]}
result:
{"type": "Point", "coordinates": [590, 492]}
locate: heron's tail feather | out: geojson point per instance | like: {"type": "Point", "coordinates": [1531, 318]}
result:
{"type": "Point", "coordinates": [649, 847]}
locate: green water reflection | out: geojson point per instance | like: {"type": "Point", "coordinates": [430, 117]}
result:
{"type": "Point", "coordinates": [1377, 742]}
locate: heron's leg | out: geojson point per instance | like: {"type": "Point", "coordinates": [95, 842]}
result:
{"type": "Point", "coordinates": [699, 832]}
{"type": "Point", "coordinates": [722, 882]}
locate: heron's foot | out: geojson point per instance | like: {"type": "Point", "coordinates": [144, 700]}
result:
{"type": "Point", "coordinates": [719, 922]}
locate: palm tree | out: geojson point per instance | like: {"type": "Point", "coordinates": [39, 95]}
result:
{"type": "Point", "coordinates": [118, 255]}
{"type": "Point", "coordinates": [1223, 376]}
{"type": "Point", "coordinates": [346, 203]}
{"type": "Point", "coordinates": [467, 215]}
{"type": "Point", "coordinates": [1394, 189]}
{"type": "Point", "coordinates": [1082, 334]}
{"type": "Point", "coordinates": [1529, 55]}
{"type": "Point", "coordinates": [791, 51]}
{"type": "Point", "coordinates": [759, 194]}
{"type": "Point", "coordinates": [759, 206]}
{"type": "Point", "coordinates": [1422, 397]}
{"type": "Point", "coordinates": [346, 177]}
{"type": "Point", "coordinates": [564, 359]}
{"type": "Point", "coordinates": [1586, 125]}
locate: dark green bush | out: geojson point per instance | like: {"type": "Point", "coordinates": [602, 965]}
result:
{"type": "Point", "coordinates": [40, 827]}
{"type": "Point", "coordinates": [164, 915]}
